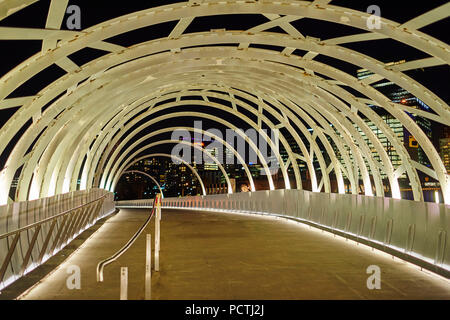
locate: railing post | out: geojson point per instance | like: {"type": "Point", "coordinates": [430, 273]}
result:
{"type": "Point", "coordinates": [29, 251]}
{"type": "Point", "coordinates": [58, 235]}
{"type": "Point", "coordinates": [124, 283]}
{"type": "Point", "coordinates": [157, 232]}
{"type": "Point", "coordinates": [148, 268]}
{"type": "Point", "coordinates": [8, 256]}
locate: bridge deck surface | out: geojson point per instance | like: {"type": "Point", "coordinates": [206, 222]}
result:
{"type": "Point", "coordinates": [225, 256]}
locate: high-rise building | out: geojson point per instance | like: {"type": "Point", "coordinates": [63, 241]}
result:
{"type": "Point", "coordinates": [229, 157]}
{"type": "Point", "coordinates": [210, 165]}
{"type": "Point", "coordinates": [174, 179]}
{"type": "Point", "coordinates": [294, 147]}
{"type": "Point", "coordinates": [398, 130]}
{"type": "Point", "coordinates": [401, 96]}
{"type": "Point", "coordinates": [444, 146]}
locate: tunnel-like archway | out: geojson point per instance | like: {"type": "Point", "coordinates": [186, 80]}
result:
{"type": "Point", "coordinates": [171, 156]}
{"type": "Point", "coordinates": [75, 127]}
{"type": "Point", "coordinates": [148, 176]}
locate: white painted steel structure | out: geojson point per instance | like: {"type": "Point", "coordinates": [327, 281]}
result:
{"type": "Point", "coordinates": [77, 120]}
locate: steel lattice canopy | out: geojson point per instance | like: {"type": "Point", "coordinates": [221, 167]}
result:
{"type": "Point", "coordinates": [82, 125]}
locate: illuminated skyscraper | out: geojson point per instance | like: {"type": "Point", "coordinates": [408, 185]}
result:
{"type": "Point", "coordinates": [401, 96]}
{"type": "Point", "coordinates": [210, 165]}
{"type": "Point", "coordinates": [444, 145]}
{"type": "Point", "coordinates": [444, 148]}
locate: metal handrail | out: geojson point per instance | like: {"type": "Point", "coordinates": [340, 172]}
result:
{"type": "Point", "coordinates": [102, 264]}
{"type": "Point", "coordinates": [73, 220]}
{"type": "Point", "coordinates": [35, 224]}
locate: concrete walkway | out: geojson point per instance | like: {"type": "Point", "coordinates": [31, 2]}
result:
{"type": "Point", "coordinates": [226, 256]}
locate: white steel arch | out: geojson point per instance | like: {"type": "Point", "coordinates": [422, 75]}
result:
{"type": "Point", "coordinates": [51, 166]}
{"type": "Point", "coordinates": [148, 136]}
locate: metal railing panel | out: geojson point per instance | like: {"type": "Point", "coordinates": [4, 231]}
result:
{"type": "Point", "coordinates": [414, 229]}
{"type": "Point", "coordinates": [14, 224]}
{"type": "Point", "coordinates": [32, 231]}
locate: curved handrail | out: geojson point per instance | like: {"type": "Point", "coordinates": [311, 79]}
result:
{"type": "Point", "coordinates": [102, 264]}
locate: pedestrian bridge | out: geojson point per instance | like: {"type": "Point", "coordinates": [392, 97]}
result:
{"type": "Point", "coordinates": [216, 255]}
{"type": "Point", "coordinates": [283, 244]}
{"type": "Point", "coordinates": [80, 105]}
